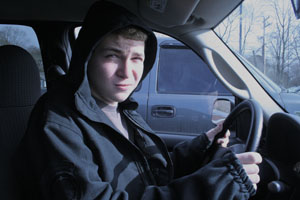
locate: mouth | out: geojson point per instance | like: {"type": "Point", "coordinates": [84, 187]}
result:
{"type": "Point", "coordinates": [123, 86]}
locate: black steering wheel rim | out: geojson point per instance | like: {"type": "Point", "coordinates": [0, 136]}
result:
{"type": "Point", "coordinates": [254, 134]}
{"type": "Point", "coordinates": [256, 123]}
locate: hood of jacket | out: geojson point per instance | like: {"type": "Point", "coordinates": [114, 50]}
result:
{"type": "Point", "coordinates": [102, 18]}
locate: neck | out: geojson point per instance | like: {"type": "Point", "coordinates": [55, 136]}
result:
{"type": "Point", "coordinates": [107, 107]}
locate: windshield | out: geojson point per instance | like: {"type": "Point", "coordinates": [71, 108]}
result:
{"type": "Point", "coordinates": [265, 36]}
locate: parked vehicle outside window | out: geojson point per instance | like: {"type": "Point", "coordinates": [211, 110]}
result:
{"type": "Point", "coordinates": [172, 95]}
{"type": "Point", "coordinates": [174, 77]}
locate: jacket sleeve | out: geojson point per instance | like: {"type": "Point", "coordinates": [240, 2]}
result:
{"type": "Point", "coordinates": [221, 179]}
{"type": "Point", "coordinates": [188, 156]}
{"type": "Point", "coordinates": [63, 167]}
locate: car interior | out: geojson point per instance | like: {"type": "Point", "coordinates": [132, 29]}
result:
{"type": "Point", "coordinates": [264, 125]}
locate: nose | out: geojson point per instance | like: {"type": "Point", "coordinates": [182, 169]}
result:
{"type": "Point", "coordinates": [124, 69]}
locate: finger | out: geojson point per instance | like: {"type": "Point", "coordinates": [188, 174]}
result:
{"type": "Point", "coordinates": [251, 169]}
{"type": "Point", "coordinates": [227, 134]}
{"type": "Point", "coordinates": [226, 137]}
{"type": "Point", "coordinates": [214, 131]}
{"type": "Point", "coordinates": [254, 178]}
{"type": "Point", "coordinates": [249, 158]}
{"type": "Point", "coordinates": [255, 186]}
{"type": "Point", "coordinates": [223, 142]}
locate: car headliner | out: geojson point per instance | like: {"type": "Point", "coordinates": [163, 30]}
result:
{"type": "Point", "coordinates": [201, 13]}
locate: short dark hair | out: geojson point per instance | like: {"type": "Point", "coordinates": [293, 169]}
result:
{"type": "Point", "coordinates": [132, 33]}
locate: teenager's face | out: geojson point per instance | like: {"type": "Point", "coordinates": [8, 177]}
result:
{"type": "Point", "coordinates": [115, 68]}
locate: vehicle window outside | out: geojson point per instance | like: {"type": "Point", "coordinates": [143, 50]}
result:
{"type": "Point", "coordinates": [25, 37]}
{"type": "Point", "coordinates": [181, 71]}
{"type": "Point", "coordinates": [267, 35]}
{"type": "Point", "coordinates": [179, 94]}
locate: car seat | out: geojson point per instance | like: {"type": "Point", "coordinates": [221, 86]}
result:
{"type": "Point", "coordinates": [20, 89]}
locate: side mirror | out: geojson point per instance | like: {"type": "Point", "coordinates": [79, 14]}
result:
{"type": "Point", "coordinates": [221, 109]}
{"type": "Point", "coordinates": [296, 7]}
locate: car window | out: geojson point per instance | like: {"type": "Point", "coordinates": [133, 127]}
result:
{"type": "Point", "coordinates": [265, 36]}
{"type": "Point", "coordinates": [25, 37]}
{"type": "Point", "coordinates": [179, 94]}
{"type": "Point", "coordinates": [181, 71]}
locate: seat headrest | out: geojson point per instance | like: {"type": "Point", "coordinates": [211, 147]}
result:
{"type": "Point", "coordinates": [19, 77]}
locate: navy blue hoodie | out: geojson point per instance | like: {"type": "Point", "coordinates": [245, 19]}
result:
{"type": "Point", "coordinates": [73, 151]}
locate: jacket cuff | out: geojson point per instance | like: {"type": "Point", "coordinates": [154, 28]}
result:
{"type": "Point", "coordinates": [204, 141]}
{"type": "Point", "coordinates": [239, 174]}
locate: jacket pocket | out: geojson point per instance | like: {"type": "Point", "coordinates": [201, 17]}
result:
{"type": "Point", "coordinates": [60, 181]}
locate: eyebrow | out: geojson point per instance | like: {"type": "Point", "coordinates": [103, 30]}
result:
{"type": "Point", "coordinates": [139, 54]}
{"type": "Point", "coordinates": [117, 50]}
{"type": "Point", "coordinates": [114, 49]}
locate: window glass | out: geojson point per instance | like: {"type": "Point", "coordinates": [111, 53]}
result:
{"type": "Point", "coordinates": [180, 91]}
{"type": "Point", "coordinates": [181, 71]}
{"type": "Point", "coordinates": [25, 37]}
{"type": "Point", "coordinates": [265, 36]}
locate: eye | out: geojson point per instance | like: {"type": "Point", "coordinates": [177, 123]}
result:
{"type": "Point", "coordinates": [111, 56]}
{"type": "Point", "coordinates": [138, 59]}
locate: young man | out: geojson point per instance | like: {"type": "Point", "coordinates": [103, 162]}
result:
{"type": "Point", "coordinates": [86, 141]}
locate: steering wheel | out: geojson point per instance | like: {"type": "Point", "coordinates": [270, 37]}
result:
{"type": "Point", "coordinates": [255, 129]}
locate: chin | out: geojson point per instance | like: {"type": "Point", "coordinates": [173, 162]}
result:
{"type": "Point", "coordinates": [122, 98]}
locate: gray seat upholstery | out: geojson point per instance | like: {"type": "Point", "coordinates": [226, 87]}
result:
{"type": "Point", "coordinates": [19, 91]}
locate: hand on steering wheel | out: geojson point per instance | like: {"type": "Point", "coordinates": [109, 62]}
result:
{"type": "Point", "coordinates": [255, 128]}
{"type": "Point", "coordinates": [248, 160]}
{"type": "Point", "coordinates": [256, 124]}
{"type": "Point", "coordinates": [214, 131]}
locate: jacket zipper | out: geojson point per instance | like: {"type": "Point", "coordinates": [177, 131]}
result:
{"type": "Point", "coordinates": [142, 166]}
{"type": "Point", "coordinates": [135, 123]}
{"type": "Point", "coordinates": [145, 162]}
{"type": "Point", "coordinates": [139, 126]}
